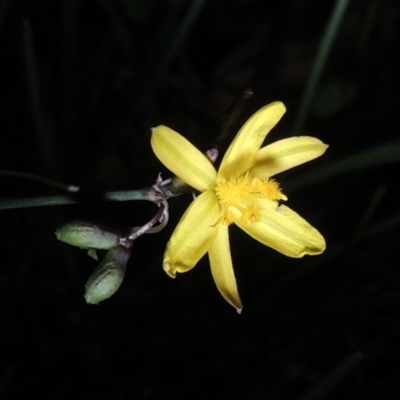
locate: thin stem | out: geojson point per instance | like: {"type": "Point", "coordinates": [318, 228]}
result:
{"type": "Point", "coordinates": [159, 193]}
{"type": "Point", "coordinates": [172, 50]}
{"type": "Point", "coordinates": [161, 215]}
{"type": "Point", "coordinates": [120, 28]}
{"type": "Point", "coordinates": [388, 153]}
{"type": "Point", "coordinates": [319, 64]}
{"type": "Point", "coordinates": [45, 201]}
{"type": "Point", "coordinates": [232, 117]}
{"type": "Point", "coordinates": [163, 220]}
{"type": "Point", "coordinates": [40, 179]}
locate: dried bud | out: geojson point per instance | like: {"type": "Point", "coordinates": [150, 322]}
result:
{"type": "Point", "coordinates": [108, 276]}
{"type": "Point", "coordinates": [87, 235]}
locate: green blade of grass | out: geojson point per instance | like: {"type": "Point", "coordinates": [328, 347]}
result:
{"type": "Point", "coordinates": [388, 153]}
{"type": "Point", "coordinates": [325, 47]}
{"type": "Point", "coordinates": [43, 201]}
{"type": "Point", "coordinates": [327, 384]}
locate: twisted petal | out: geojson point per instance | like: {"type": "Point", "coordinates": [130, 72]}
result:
{"type": "Point", "coordinates": [240, 154]}
{"type": "Point", "coordinates": [285, 154]}
{"type": "Point", "coordinates": [182, 158]}
{"type": "Point", "coordinates": [193, 235]}
{"type": "Point", "coordinates": [285, 231]}
{"type": "Point", "coordinates": [222, 269]}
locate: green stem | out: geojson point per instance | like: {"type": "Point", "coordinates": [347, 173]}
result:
{"type": "Point", "coordinates": [319, 64]}
{"type": "Point", "coordinates": [45, 201]}
{"type": "Point", "coordinates": [40, 179]}
{"type": "Point", "coordinates": [388, 153]}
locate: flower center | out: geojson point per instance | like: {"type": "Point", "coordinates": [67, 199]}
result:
{"type": "Point", "coordinates": [242, 196]}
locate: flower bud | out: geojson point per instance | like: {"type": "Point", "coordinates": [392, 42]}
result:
{"type": "Point", "coordinates": [87, 235]}
{"type": "Point", "coordinates": [108, 276]}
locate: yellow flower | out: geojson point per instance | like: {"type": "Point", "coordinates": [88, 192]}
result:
{"type": "Point", "coordinates": [241, 192]}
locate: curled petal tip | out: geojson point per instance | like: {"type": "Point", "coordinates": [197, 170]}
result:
{"type": "Point", "coordinates": [167, 268]}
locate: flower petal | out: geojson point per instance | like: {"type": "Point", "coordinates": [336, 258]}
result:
{"type": "Point", "coordinates": [240, 154]}
{"type": "Point", "coordinates": [285, 231]}
{"type": "Point", "coordinates": [285, 154]}
{"type": "Point", "coordinates": [182, 158]}
{"type": "Point", "coordinates": [222, 269]}
{"type": "Point", "coordinates": [193, 235]}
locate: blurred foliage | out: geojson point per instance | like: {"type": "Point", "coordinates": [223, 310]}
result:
{"type": "Point", "coordinates": [83, 83]}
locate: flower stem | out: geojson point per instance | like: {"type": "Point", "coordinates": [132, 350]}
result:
{"type": "Point", "coordinates": [45, 201]}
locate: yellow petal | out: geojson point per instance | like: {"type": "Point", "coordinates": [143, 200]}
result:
{"type": "Point", "coordinates": [285, 231]}
{"type": "Point", "coordinates": [240, 154]}
{"type": "Point", "coordinates": [222, 269]}
{"type": "Point", "coordinates": [285, 154]}
{"type": "Point", "coordinates": [193, 235]}
{"type": "Point", "coordinates": [182, 158]}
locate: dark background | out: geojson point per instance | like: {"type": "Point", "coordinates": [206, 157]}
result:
{"type": "Point", "coordinates": [82, 83]}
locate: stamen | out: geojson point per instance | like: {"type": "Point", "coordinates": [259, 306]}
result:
{"type": "Point", "coordinates": [243, 194]}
